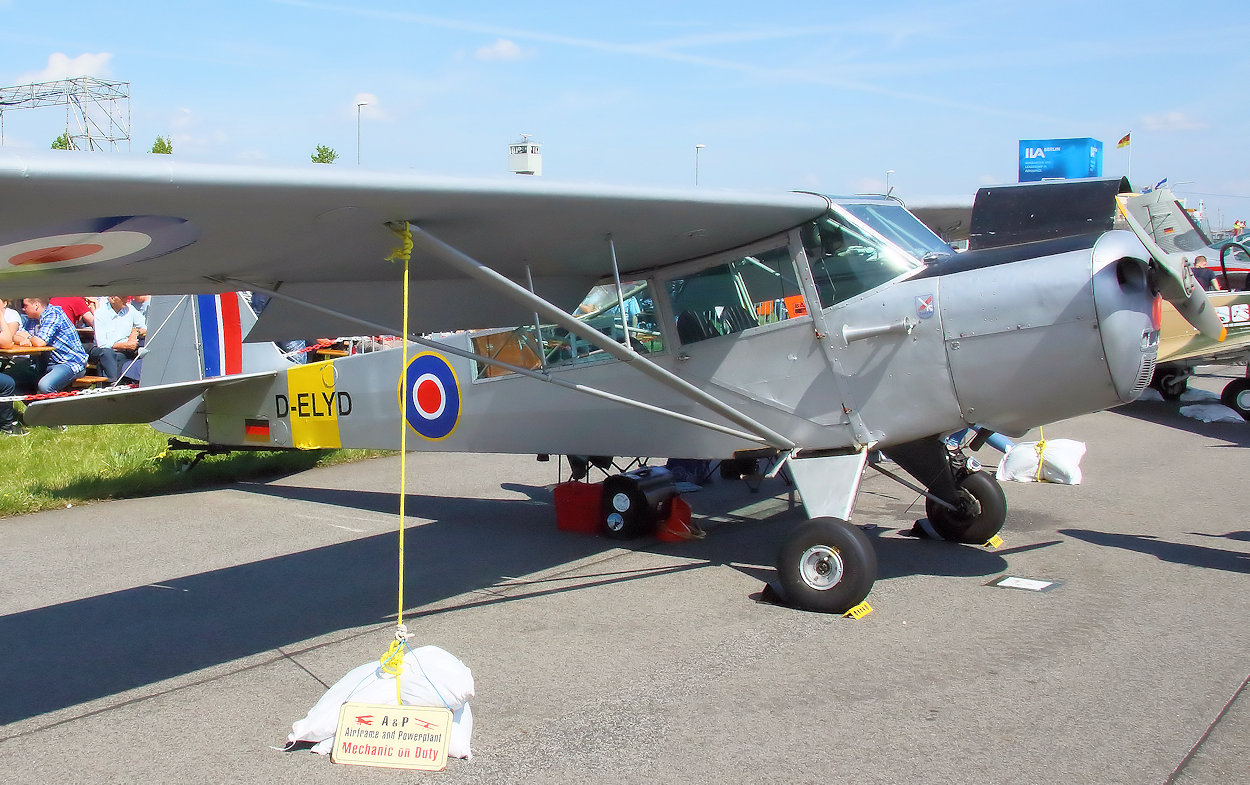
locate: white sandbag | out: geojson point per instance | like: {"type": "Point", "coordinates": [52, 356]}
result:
{"type": "Point", "coordinates": [1198, 395]}
{"type": "Point", "coordinates": [1211, 412]}
{"type": "Point", "coordinates": [461, 733]}
{"type": "Point", "coordinates": [431, 677]}
{"type": "Point", "coordinates": [1060, 459]}
{"type": "Point", "coordinates": [1150, 394]}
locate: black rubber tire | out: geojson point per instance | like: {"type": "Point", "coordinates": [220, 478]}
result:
{"type": "Point", "coordinates": [830, 542]}
{"type": "Point", "coordinates": [985, 499]}
{"type": "Point", "coordinates": [1170, 386]}
{"type": "Point", "coordinates": [1236, 396]}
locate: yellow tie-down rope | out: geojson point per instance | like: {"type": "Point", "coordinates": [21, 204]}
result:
{"type": "Point", "coordinates": [1040, 449]}
{"type": "Point", "coordinates": [393, 661]}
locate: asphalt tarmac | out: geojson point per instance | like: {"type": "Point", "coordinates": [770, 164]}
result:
{"type": "Point", "coordinates": [176, 639]}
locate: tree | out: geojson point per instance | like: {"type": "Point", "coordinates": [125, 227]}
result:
{"type": "Point", "coordinates": [324, 155]}
{"type": "Point", "coordinates": [162, 146]}
{"type": "Point", "coordinates": [63, 143]}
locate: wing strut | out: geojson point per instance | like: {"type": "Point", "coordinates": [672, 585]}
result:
{"type": "Point", "coordinates": [384, 329]}
{"type": "Point", "coordinates": [480, 272]}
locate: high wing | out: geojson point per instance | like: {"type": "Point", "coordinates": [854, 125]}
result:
{"type": "Point", "coordinates": [91, 224]}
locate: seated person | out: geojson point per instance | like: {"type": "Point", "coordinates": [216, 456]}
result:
{"type": "Point", "coordinates": [10, 323]}
{"type": "Point", "coordinates": [117, 329]}
{"type": "Point", "coordinates": [140, 303]}
{"type": "Point", "coordinates": [46, 325]}
{"type": "Point", "coordinates": [1205, 275]}
{"type": "Point", "coordinates": [79, 310]}
{"type": "Point", "coordinates": [9, 424]}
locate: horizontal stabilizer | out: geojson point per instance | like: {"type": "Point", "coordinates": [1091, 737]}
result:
{"type": "Point", "coordinates": [141, 405]}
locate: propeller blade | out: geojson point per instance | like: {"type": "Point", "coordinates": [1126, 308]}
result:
{"type": "Point", "coordinates": [1162, 225]}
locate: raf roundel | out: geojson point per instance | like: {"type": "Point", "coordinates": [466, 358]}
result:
{"type": "Point", "coordinates": [432, 405]}
{"type": "Point", "coordinates": [110, 242]}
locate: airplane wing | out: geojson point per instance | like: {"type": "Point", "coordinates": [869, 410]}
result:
{"type": "Point", "coordinates": [86, 224]}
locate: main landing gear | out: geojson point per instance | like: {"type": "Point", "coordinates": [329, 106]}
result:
{"type": "Point", "coordinates": [826, 565]}
{"type": "Point", "coordinates": [829, 566]}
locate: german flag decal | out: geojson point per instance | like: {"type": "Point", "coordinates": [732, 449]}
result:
{"type": "Point", "coordinates": [256, 431]}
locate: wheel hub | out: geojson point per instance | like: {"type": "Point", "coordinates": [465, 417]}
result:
{"type": "Point", "coordinates": [969, 507]}
{"type": "Point", "coordinates": [821, 567]}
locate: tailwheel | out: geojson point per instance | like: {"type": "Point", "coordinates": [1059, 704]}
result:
{"type": "Point", "coordinates": [1236, 396]}
{"type": "Point", "coordinates": [826, 565]}
{"type": "Point", "coordinates": [981, 514]}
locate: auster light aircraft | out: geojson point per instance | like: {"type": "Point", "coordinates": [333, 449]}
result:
{"type": "Point", "coordinates": [813, 329]}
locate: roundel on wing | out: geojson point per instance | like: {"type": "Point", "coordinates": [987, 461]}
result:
{"type": "Point", "coordinates": [109, 242]}
{"type": "Point", "coordinates": [432, 402]}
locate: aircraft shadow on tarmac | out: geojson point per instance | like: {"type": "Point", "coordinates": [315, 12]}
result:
{"type": "Point", "coordinates": [1177, 553]}
{"type": "Point", "coordinates": [138, 636]}
{"type": "Point", "coordinates": [1237, 434]}
{"type": "Point", "coordinates": [134, 637]}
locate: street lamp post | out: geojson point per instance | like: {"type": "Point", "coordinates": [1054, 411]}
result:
{"type": "Point", "coordinates": [697, 148]}
{"type": "Point", "coordinates": [888, 172]}
{"type": "Point", "coordinates": [358, 131]}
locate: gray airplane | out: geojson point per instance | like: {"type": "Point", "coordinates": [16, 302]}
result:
{"type": "Point", "coordinates": [808, 330]}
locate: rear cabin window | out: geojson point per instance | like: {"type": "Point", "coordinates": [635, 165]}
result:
{"type": "Point", "coordinates": [548, 346]}
{"type": "Point", "coordinates": [736, 296]}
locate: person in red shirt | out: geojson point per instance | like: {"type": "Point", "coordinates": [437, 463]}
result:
{"type": "Point", "coordinates": [80, 310]}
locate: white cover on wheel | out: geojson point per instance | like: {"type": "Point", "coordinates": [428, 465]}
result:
{"type": "Point", "coordinates": [1060, 459]}
{"type": "Point", "coordinates": [431, 677]}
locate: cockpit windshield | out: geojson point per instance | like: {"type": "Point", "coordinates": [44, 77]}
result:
{"type": "Point", "coordinates": [847, 261]}
{"type": "Point", "coordinates": [896, 224]}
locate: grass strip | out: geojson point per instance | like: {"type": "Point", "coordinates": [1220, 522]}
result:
{"type": "Point", "coordinates": [50, 469]}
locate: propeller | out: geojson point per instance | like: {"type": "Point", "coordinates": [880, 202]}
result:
{"type": "Point", "coordinates": [1166, 230]}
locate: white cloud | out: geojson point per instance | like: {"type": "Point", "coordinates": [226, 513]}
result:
{"type": "Point", "coordinates": [183, 120]}
{"type": "Point", "coordinates": [502, 49]}
{"type": "Point", "coordinates": [1172, 121]}
{"type": "Point", "coordinates": [189, 136]}
{"type": "Point", "coordinates": [62, 66]}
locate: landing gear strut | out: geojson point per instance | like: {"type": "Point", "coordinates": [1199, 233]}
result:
{"type": "Point", "coordinates": [982, 509]}
{"type": "Point", "coordinates": [975, 508]}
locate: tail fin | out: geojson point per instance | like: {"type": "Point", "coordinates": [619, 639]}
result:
{"type": "Point", "coordinates": [195, 337]}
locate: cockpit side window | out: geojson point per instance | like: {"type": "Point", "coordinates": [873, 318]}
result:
{"type": "Point", "coordinates": [846, 262]}
{"type": "Point", "coordinates": [736, 296]}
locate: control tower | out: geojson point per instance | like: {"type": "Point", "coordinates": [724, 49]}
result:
{"type": "Point", "coordinates": [525, 156]}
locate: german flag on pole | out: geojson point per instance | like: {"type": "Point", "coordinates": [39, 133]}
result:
{"type": "Point", "coordinates": [1123, 142]}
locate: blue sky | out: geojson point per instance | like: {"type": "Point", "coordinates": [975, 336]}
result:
{"type": "Point", "coordinates": [808, 95]}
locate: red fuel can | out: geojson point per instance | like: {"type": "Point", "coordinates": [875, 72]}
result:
{"type": "Point", "coordinates": [578, 506]}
